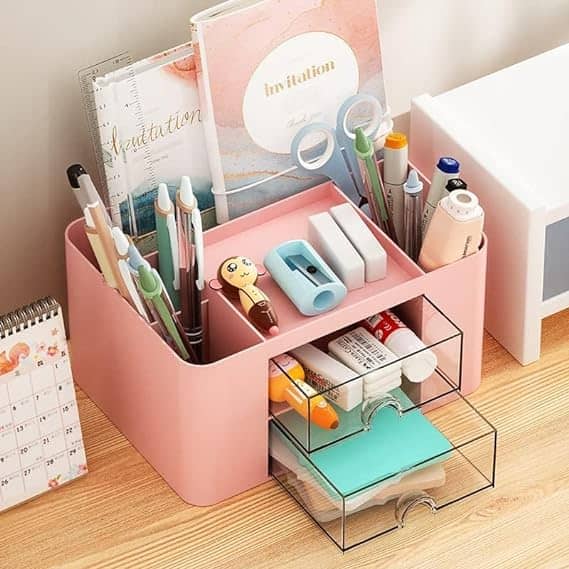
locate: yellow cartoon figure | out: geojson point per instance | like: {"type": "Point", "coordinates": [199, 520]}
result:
{"type": "Point", "coordinates": [238, 277]}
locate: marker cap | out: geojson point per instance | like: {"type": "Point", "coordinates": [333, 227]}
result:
{"type": "Point", "coordinates": [462, 205]}
{"type": "Point", "coordinates": [448, 165]}
{"type": "Point", "coordinates": [396, 141]}
{"type": "Point", "coordinates": [413, 185]}
{"type": "Point", "coordinates": [456, 184]}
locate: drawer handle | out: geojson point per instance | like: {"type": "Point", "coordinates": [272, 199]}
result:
{"type": "Point", "coordinates": [372, 406]}
{"type": "Point", "coordinates": [410, 501]}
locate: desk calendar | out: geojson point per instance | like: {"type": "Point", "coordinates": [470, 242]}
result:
{"type": "Point", "coordinates": [41, 445]}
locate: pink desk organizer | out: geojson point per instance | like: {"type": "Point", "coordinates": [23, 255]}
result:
{"type": "Point", "coordinates": [204, 428]}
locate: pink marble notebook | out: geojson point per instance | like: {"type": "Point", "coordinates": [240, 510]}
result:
{"type": "Point", "coordinates": [267, 68]}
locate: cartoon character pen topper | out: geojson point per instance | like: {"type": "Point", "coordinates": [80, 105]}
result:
{"type": "Point", "coordinates": [238, 277]}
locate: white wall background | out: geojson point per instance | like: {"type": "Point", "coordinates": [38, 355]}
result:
{"type": "Point", "coordinates": [428, 46]}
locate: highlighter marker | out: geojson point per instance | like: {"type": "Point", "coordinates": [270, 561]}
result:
{"type": "Point", "coordinates": [395, 166]}
{"type": "Point", "coordinates": [107, 244]}
{"type": "Point", "coordinates": [168, 256]}
{"type": "Point", "coordinates": [151, 290]}
{"type": "Point", "coordinates": [446, 169]}
{"type": "Point", "coordinates": [96, 245]}
{"type": "Point", "coordinates": [373, 184]}
{"type": "Point", "coordinates": [286, 383]}
{"type": "Point", "coordinates": [121, 249]}
{"type": "Point", "coordinates": [413, 239]}
{"type": "Point", "coordinates": [84, 189]}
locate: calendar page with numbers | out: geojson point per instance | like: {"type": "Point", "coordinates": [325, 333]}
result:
{"type": "Point", "coordinates": [41, 445]}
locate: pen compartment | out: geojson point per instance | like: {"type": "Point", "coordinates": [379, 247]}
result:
{"type": "Point", "coordinates": [381, 480]}
{"type": "Point", "coordinates": [189, 421]}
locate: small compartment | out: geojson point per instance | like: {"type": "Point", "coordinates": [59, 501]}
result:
{"type": "Point", "coordinates": [256, 234]}
{"type": "Point", "coordinates": [354, 401]}
{"type": "Point", "coordinates": [229, 332]}
{"type": "Point", "coordinates": [370, 484]}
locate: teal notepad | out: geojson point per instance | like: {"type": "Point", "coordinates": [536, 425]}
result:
{"type": "Point", "coordinates": [392, 446]}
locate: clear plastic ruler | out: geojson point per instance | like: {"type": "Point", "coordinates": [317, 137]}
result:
{"type": "Point", "coordinates": [99, 130]}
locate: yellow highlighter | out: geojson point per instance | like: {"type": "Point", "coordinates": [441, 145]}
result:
{"type": "Point", "coordinates": [96, 245]}
{"type": "Point", "coordinates": [286, 383]}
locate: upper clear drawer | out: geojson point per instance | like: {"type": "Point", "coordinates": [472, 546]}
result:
{"type": "Point", "coordinates": [326, 391]}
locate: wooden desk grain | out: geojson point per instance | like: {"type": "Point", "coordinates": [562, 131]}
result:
{"type": "Point", "coordinates": [124, 515]}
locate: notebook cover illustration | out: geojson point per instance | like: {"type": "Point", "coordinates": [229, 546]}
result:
{"type": "Point", "coordinates": [151, 131]}
{"type": "Point", "coordinates": [265, 70]}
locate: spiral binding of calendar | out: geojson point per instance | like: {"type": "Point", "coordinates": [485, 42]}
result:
{"type": "Point", "coordinates": [28, 315]}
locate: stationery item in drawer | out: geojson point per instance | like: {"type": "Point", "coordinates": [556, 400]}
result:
{"type": "Point", "coordinates": [163, 311]}
{"type": "Point", "coordinates": [289, 64]}
{"type": "Point", "coordinates": [446, 169]}
{"type": "Point", "coordinates": [238, 278]}
{"type": "Point", "coordinates": [167, 235]}
{"type": "Point", "coordinates": [324, 373]}
{"type": "Point", "coordinates": [326, 508]}
{"type": "Point", "coordinates": [374, 188]}
{"type": "Point", "coordinates": [363, 240]}
{"type": "Point", "coordinates": [121, 251]}
{"type": "Point", "coordinates": [286, 383]}
{"type": "Point", "coordinates": [336, 249]}
{"type": "Point", "coordinates": [363, 353]}
{"type": "Point", "coordinates": [395, 165]}
{"type": "Point", "coordinates": [304, 277]}
{"type": "Point", "coordinates": [402, 341]}
{"type": "Point", "coordinates": [150, 129]}
{"type": "Point", "coordinates": [413, 202]}
{"type": "Point", "coordinates": [41, 445]}
{"type": "Point", "coordinates": [455, 231]}
{"type": "Point", "coordinates": [191, 263]}
{"type": "Point", "coordinates": [393, 447]}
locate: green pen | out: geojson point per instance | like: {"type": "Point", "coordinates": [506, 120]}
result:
{"type": "Point", "coordinates": [375, 190]}
{"type": "Point", "coordinates": [151, 289]}
{"type": "Point", "coordinates": [167, 237]}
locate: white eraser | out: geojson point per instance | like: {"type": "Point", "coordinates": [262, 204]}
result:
{"type": "Point", "coordinates": [329, 240]}
{"type": "Point", "coordinates": [364, 241]}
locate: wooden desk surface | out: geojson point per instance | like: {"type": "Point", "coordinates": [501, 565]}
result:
{"type": "Point", "coordinates": [124, 515]}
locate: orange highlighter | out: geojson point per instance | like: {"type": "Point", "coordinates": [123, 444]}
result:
{"type": "Point", "coordinates": [286, 383]}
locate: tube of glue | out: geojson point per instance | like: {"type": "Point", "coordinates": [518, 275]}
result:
{"type": "Point", "coordinates": [402, 341]}
{"type": "Point", "coordinates": [286, 383]}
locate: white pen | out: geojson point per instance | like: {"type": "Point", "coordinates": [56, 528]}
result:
{"type": "Point", "coordinates": [167, 236]}
{"type": "Point", "coordinates": [121, 248]}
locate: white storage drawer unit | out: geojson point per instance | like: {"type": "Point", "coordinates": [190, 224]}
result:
{"type": "Point", "coordinates": [509, 130]}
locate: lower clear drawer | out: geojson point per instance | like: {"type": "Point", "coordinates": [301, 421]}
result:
{"type": "Point", "coordinates": [366, 485]}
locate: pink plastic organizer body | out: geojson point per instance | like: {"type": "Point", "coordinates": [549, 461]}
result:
{"type": "Point", "coordinates": [204, 428]}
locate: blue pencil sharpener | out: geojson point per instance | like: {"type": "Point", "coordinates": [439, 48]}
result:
{"type": "Point", "coordinates": [304, 277]}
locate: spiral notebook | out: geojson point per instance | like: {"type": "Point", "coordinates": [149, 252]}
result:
{"type": "Point", "coordinates": [41, 445]}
